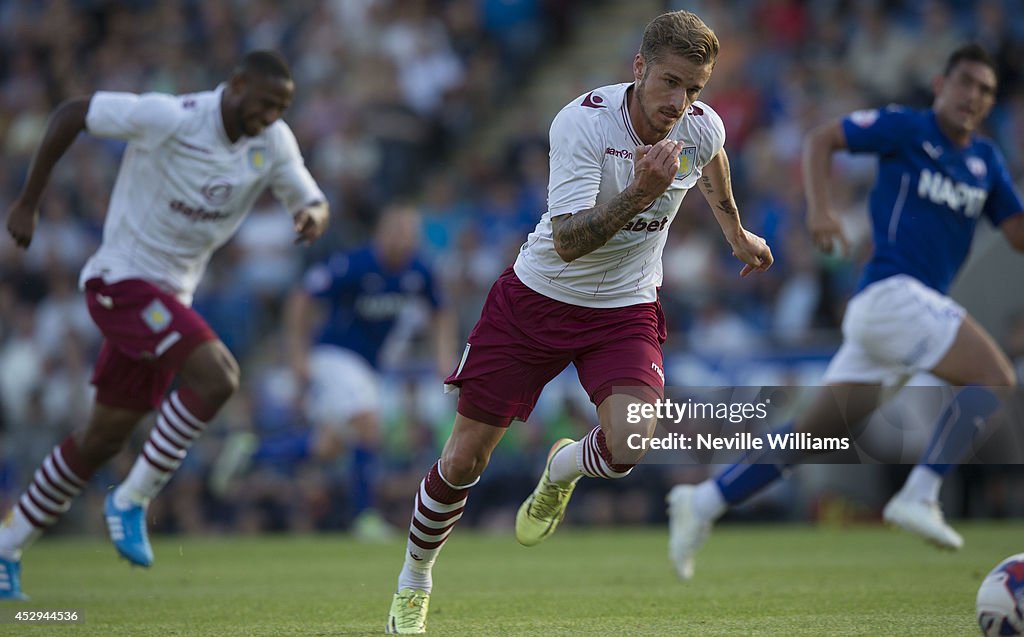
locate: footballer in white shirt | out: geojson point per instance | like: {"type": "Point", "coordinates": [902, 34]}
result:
{"type": "Point", "coordinates": [584, 291]}
{"type": "Point", "coordinates": [193, 167]}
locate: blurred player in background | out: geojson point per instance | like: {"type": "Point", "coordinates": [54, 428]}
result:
{"type": "Point", "coordinates": [936, 178]}
{"type": "Point", "coordinates": [192, 169]}
{"type": "Point", "coordinates": [370, 303]}
{"type": "Point", "coordinates": [584, 290]}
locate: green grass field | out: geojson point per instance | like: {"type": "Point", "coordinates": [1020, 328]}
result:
{"type": "Point", "coordinates": [751, 580]}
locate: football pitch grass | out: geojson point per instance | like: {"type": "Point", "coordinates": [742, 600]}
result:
{"type": "Point", "coordinates": [751, 581]}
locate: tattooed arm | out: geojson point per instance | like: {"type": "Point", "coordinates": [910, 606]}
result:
{"type": "Point", "coordinates": [716, 184]}
{"type": "Point", "coordinates": [579, 234]}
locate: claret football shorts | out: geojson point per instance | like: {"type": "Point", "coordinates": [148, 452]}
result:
{"type": "Point", "coordinates": [147, 334]}
{"type": "Point", "coordinates": [524, 339]}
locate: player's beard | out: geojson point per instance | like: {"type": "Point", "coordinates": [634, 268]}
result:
{"type": "Point", "coordinates": [641, 100]}
{"type": "Point", "coordinates": [253, 126]}
{"type": "Point", "coordinates": [248, 124]}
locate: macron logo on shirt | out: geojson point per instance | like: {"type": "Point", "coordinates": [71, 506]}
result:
{"type": "Point", "coordinates": [615, 152]}
{"type": "Point", "coordinates": [593, 101]}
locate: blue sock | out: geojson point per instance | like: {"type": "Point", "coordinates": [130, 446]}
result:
{"type": "Point", "coordinates": [953, 436]}
{"type": "Point", "coordinates": [288, 447]}
{"type": "Point", "coordinates": [364, 462]}
{"type": "Point", "coordinates": [757, 469]}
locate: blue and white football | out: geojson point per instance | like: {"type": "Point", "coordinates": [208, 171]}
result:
{"type": "Point", "coordinates": [1001, 599]}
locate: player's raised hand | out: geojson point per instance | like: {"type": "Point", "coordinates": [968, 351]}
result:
{"type": "Point", "coordinates": [753, 251]}
{"type": "Point", "coordinates": [21, 222]}
{"type": "Point", "coordinates": [310, 222]}
{"type": "Point", "coordinates": [827, 233]}
{"type": "Point", "coordinates": [654, 167]}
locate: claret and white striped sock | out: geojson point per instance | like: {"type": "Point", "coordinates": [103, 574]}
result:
{"type": "Point", "coordinates": [588, 456]}
{"type": "Point", "coordinates": [182, 418]}
{"type": "Point", "coordinates": [438, 506]}
{"type": "Point", "coordinates": [61, 477]}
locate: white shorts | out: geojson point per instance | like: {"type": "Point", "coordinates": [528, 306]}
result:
{"type": "Point", "coordinates": [342, 385]}
{"type": "Point", "coordinates": [894, 328]}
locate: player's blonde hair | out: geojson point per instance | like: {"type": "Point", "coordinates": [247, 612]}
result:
{"type": "Point", "coordinates": [681, 33]}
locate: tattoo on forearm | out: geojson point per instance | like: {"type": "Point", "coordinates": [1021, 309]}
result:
{"type": "Point", "coordinates": [728, 207]}
{"type": "Point", "coordinates": [588, 230]}
{"type": "Point", "coordinates": [707, 184]}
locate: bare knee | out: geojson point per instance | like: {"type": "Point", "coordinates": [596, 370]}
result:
{"type": "Point", "coordinates": [212, 373]}
{"type": "Point", "coordinates": [222, 385]}
{"type": "Point", "coordinates": [463, 466]}
{"type": "Point", "coordinates": [468, 450]}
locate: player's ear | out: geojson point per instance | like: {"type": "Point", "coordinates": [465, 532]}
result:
{"type": "Point", "coordinates": [937, 83]}
{"type": "Point", "coordinates": [638, 67]}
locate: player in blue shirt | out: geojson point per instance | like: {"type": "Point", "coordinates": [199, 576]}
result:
{"type": "Point", "coordinates": [353, 311]}
{"type": "Point", "coordinates": [936, 178]}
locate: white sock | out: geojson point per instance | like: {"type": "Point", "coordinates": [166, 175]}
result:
{"type": "Point", "coordinates": [922, 484]}
{"type": "Point", "coordinates": [564, 467]}
{"type": "Point", "coordinates": [142, 479]}
{"type": "Point", "coordinates": [415, 577]}
{"type": "Point", "coordinates": [708, 502]}
{"type": "Point", "coordinates": [16, 534]}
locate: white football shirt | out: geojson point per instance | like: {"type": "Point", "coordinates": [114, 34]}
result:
{"type": "Point", "coordinates": [183, 188]}
{"type": "Point", "coordinates": [592, 146]}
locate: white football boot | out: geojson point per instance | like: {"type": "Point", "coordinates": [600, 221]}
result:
{"type": "Point", "coordinates": [687, 531]}
{"type": "Point", "coordinates": [924, 518]}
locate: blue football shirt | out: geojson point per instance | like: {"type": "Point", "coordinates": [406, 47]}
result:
{"type": "Point", "coordinates": [364, 300]}
{"type": "Point", "coordinates": [928, 195]}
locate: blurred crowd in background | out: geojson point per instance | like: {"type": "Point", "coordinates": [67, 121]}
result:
{"type": "Point", "coordinates": [391, 99]}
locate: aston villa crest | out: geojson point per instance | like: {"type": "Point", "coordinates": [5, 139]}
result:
{"type": "Point", "coordinates": [687, 158]}
{"type": "Point", "coordinates": [257, 158]}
